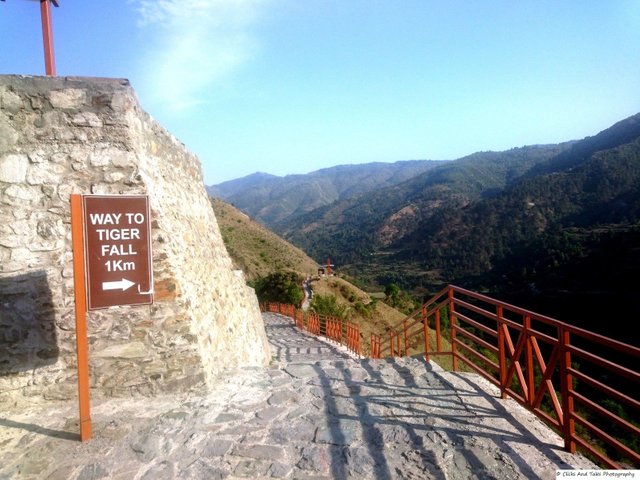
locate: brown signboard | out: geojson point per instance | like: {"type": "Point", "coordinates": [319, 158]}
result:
{"type": "Point", "coordinates": [117, 250]}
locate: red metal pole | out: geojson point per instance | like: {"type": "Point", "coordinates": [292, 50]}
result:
{"type": "Point", "coordinates": [568, 425]}
{"type": "Point", "coordinates": [452, 322]}
{"type": "Point", "coordinates": [426, 333]}
{"type": "Point", "coordinates": [531, 391]}
{"type": "Point", "coordinates": [438, 342]}
{"type": "Point", "coordinates": [406, 339]}
{"type": "Point", "coordinates": [501, 353]}
{"type": "Point", "coordinates": [81, 316]}
{"type": "Point", "coordinates": [47, 38]}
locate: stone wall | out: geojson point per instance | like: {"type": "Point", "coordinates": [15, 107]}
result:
{"type": "Point", "coordinates": [78, 135]}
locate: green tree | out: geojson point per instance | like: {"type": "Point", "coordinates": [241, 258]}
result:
{"type": "Point", "coordinates": [398, 299]}
{"type": "Point", "coordinates": [391, 293]}
{"type": "Point", "coordinates": [327, 305]}
{"type": "Point", "coordinates": [283, 287]}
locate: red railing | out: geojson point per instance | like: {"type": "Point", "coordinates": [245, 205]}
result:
{"type": "Point", "coordinates": [313, 324]}
{"type": "Point", "coordinates": [375, 346]}
{"type": "Point", "coordinates": [581, 383]}
{"type": "Point", "coordinates": [335, 329]}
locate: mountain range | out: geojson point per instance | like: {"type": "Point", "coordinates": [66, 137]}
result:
{"type": "Point", "coordinates": [546, 225]}
{"type": "Point", "coordinates": [270, 199]}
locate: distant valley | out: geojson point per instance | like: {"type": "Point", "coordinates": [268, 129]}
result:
{"type": "Point", "coordinates": [555, 227]}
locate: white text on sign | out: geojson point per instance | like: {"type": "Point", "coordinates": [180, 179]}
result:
{"type": "Point", "coordinates": [122, 230]}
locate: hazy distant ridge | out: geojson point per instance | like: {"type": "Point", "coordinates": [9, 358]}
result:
{"type": "Point", "coordinates": [552, 227]}
{"type": "Point", "coordinates": [271, 199]}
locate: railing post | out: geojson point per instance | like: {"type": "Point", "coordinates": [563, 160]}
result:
{"type": "Point", "coordinates": [348, 333]}
{"type": "Point", "coordinates": [356, 340]}
{"type": "Point", "coordinates": [426, 333]}
{"type": "Point", "coordinates": [531, 391]}
{"type": "Point", "coordinates": [399, 345]}
{"type": "Point", "coordinates": [501, 353]}
{"type": "Point", "coordinates": [47, 38]}
{"type": "Point", "coordinates": [568, 426]}
{"type": "Point", "coordinates": [377, 355]}
{"type": "Point", "coordinates": [391, 344]}
{"type": "Point", "coordinates": [406, 339]}
{"type": "Point", "coordinates": [452, 323]}
{"type": "Point", "coordinates": [438, 342]}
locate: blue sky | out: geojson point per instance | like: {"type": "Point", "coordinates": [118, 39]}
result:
{"type": "Point", "coordinates": [291, 86]}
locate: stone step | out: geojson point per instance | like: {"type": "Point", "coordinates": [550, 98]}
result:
{"type": "Point", "coordinates": [315, 415]}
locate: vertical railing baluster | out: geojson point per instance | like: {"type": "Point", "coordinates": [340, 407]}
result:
{"type": "Point", "coordinates": [406, 339]}
{"type": "Point", "coordinates": [566, 379]}
{"type": "Point", "coordinates": [529, 360]}
{"type": "Point", "coordinates": [501, 352]}
{"type": "Point", "coordinates": [452, 322]}
{"type": "Point", "coordinates": [426, 332]}
{"type": "Point", "coordinates": [438, 342]}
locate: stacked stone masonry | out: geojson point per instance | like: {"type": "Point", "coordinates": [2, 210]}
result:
{"type": "Point", "coordinates": [60, 136]}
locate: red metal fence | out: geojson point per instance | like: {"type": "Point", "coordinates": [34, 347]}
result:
{"type": "Point", "coordinates": [335, 329]}
{"type": "Point", "coordinates": [582, 384]}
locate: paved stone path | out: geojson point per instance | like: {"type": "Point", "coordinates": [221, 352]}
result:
{"type": "Point", "coordinates": [317, 412]}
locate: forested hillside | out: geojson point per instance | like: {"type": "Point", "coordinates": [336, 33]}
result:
{"type": "Point", "coordinates": [593, 189]}
{"type": "Point", "coordinates": [564, 241]}
{"type": "Point", "coordinates": [353, 229]}
{"type": "Point", "coordinates": [554, 227]}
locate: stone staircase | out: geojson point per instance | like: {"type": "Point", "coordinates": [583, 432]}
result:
{"type": "Point", "coordinates": [316, 412]}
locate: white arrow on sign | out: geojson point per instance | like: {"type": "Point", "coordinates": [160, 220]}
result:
{"type": "Point", "coordinates": [120, 284]}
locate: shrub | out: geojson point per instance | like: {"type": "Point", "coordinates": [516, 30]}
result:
{"type": "Point", "coordinates": [283, 287]}
{"type": "Point", "coordinates": [327, 305]}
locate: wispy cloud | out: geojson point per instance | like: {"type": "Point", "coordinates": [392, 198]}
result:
{"type": "Point", "coordinates": [201, 42]}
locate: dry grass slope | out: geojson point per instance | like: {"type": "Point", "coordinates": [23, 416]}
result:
{"type": "Point", "coordinates": [254, 249]}
{"type": "Point", "coordinates": [258, 251]}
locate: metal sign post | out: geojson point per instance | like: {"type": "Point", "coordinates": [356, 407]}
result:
{"type": "Point", "coordinates": [81, 316]}
{"type": "Point", "coordinates": [47, 35]}
{"type": "Point", "coordinates": [112, 266]}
